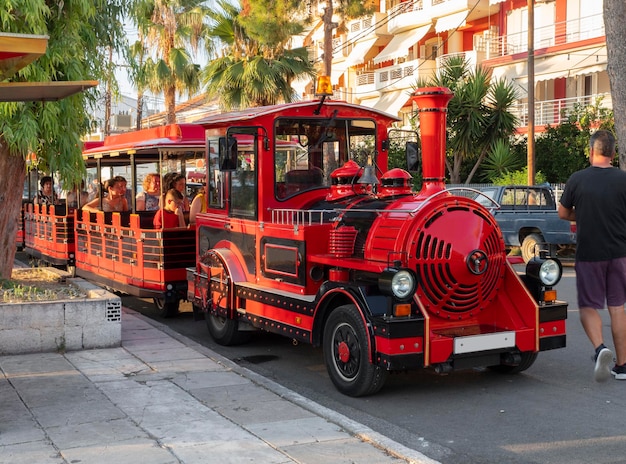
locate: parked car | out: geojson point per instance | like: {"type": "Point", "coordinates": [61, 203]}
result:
{"type": "Point", "coordinates": [528, 217]}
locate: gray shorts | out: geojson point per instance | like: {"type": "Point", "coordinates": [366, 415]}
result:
{"type": "Point", "coordinates": [600, 283]}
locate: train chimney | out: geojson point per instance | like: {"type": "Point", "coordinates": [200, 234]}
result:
{"type": "Point", "coordinates": [432, 105]}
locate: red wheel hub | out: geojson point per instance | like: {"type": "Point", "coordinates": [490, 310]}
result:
{"type": "Point", "coordinates": [344, 352]}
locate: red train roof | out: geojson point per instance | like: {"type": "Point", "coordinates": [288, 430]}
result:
{"type": "Point", "coordinates": [304, 109]}
{"type": "Point", "coordinates": [173, 135]}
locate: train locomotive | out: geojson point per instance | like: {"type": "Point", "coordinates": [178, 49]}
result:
{"type": "Point", "coordinates": [308, 234]}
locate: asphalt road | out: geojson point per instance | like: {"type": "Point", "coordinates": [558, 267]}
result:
{"type": "Point", "coordinates": [552, 413]}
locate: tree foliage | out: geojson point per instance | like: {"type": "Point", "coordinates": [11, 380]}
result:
{"type": "Point", "coordinates": [479, 114]}
{"type": "Point", "coordinates": [518, 178]}
{"type": "Point", "coordinates": [564, 149]}
{"type": "Point", "coordinates": [253, 68]}
{"type": "Point", "coordinates": [500, 161]}
{"type": "Point", "coordinates": [79, 33]}
{"type": "Point", "coordinates": [173, 31]}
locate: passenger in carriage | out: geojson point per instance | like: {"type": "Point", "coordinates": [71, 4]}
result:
{"type": "Point", "coordinates": [170, 216]}
{"type": "Point", "coordinates": [73, 197]}
{"type": "Point", "coordinates": [148, 200]}
{"type": "Point", "coordinates": [46, 196]}
{"type": "Point", "coordinates": [178, 182]}
{"type": "Point", "coordinates": [114, 200]}
{"type": "Point", "coordinates": [198, 205]}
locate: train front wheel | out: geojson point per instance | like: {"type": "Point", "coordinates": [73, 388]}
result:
{"type": "Point", "coordinates": [346, 354]}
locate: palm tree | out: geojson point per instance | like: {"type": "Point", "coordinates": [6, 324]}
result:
{"type": "Point", "coordinates": [252, 69]}
{"type": "Point", "coordinates": [478, 114]}
{"type": "Point", "coordinates": [173, 30]}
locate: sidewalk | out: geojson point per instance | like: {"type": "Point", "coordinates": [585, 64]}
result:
{"type": "Point", "coordinates": [162, 398]}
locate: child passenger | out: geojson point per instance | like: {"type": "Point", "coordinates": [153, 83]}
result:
{"type": "Point", "coordinates": [171, 215]}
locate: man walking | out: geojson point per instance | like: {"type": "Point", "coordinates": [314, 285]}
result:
{"type": "Point", "coordinates": [595, 198]}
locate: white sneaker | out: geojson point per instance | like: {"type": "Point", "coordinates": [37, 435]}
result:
{"type": "Point", "coordinates": [602, 371]}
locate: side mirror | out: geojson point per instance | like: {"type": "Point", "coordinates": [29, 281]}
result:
{"type": "Point", "coordinates": [228, 153]}
{"type": "Point", "coordinates": [412, 156]}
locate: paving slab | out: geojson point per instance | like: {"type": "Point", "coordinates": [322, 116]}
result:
{"type": "Point", "coordinates": [161, 398]}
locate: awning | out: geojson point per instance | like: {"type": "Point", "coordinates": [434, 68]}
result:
{"type": "Point", "coordinates": [399, 45]}
{"type": "Point", "coordinates": [391, 102]}
{"type": "Point", "coordinates": [357, 55]}
{"type": "Point", "coordinates": [555, 66]}
{"type": "Point", "coordinates": [19, 50]}
{"type": "Point", "coordinates": [453, 21]}
{"type": "Point", "coordinates": [42, 91]}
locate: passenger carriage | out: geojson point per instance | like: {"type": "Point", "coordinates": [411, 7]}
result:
{"type": "Point", "coordinates": [122, 250]}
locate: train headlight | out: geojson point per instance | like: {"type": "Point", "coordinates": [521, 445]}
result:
{"type": "Point", "coordinates": [547, 271]}
{"type": "Point", "coordinates": [399, 283]}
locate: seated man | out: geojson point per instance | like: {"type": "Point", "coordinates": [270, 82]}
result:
{"type": "Point", "coordinates": [170, 216]}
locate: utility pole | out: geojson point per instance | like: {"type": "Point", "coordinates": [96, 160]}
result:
{"type": "Point", "coordinates": [531, 93]}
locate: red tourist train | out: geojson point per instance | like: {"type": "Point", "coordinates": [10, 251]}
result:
{"type": "Point", "coordinates": [308, 234]}
{"type": "Point", "coordinates": [300, 240]}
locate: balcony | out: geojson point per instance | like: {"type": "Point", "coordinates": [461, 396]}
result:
{"type": "Point", "coordinates": [407, 15]}
{"type": "Point", "coordinates": [366, 84]}
{"type": "Point", "coordinates": [439, 8]}
{"type": "Point", "coordinates": [403, 76]}
{"type": "Point", "coordinates": [554, 112]}
{"type": "Point", "coordinates": [367, 27]}
{"type": "Point", "coordinates": [565, 32]}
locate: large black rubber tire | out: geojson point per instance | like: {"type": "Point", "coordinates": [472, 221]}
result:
{"type": "Point", "coordinates": [225, 331]}
{"type": "Point", "coordinates": [167, 310]}
{"type": "Point", "coordinates": [531, 245]}
{"type": "Point", "coordinates": [528, 359]}
{"type": "Point", "coordinates": [345, 354]}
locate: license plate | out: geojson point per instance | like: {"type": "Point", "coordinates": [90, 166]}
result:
{"type": "Point", "coordinates": [486, 342]}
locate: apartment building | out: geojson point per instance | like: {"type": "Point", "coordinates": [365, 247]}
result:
{"type": "Point", "coordinates": [377, 60]}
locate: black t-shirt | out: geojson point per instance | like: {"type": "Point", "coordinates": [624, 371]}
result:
{"type": "Point", "coordinates": [599, 198]}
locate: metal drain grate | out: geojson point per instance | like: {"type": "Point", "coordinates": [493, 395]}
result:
{"type": "Point", "coordinates": [114, 311]}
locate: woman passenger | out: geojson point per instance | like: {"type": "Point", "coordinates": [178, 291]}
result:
{"type": "Point", "coordinates": [148, 200]}
{"type": "Point", "coordinates": [114, 200]}
{"type": "Point", "coordinates": [46, 196]}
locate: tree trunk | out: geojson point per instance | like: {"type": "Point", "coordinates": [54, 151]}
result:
{"type": "Point", "coordinates": [614, 20]}
{"type": "Point", "coordinates": [328, 38]}
{"type": "Point", "coordinates": [170, 104]}
{"type": "Point", "coordinates": [139, 109]}
{"type": "Point", "coordinates": [13, 171]}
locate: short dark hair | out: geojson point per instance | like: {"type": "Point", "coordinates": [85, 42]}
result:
{"type": "Point", "coordinates": [602, 142]}
{"type": "Point", "coordinates": [45, 179]}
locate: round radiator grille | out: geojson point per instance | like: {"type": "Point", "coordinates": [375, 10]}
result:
{"type": "Point", "coordinates": [459, 259]}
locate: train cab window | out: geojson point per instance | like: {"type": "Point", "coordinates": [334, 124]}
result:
{"type": "Point", "coordinates": [307, 151]}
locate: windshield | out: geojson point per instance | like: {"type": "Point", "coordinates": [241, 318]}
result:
{"type": "Point", "coordinates": [308, 150]}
